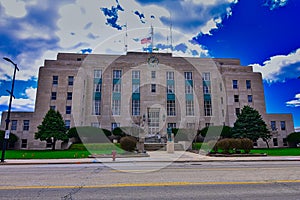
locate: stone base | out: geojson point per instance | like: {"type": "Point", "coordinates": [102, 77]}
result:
{"type": "Point", "coordinates": [170, 147]}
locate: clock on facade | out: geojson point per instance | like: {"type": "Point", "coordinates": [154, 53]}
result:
{"type": "Point", "coordinates": [153, 61]}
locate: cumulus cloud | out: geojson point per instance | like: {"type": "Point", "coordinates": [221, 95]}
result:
{"type": "Point", "coordinates": [273, 4]}
{"type": "Point", "coordinates": [295, 102]}
{"type": "Point", "coordinates": [280, 67]}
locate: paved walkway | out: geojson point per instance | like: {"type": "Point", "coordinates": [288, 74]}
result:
{"type": "Point", "coordinates": [154, 156]}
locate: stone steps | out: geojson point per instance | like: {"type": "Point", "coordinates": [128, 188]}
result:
{"type": "Point", "coordinates": [161, 147]}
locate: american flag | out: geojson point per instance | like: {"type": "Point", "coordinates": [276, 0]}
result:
{"type": "Point", "coordinates": [146, 40]}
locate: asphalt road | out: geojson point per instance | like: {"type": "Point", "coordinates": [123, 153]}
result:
{"type": "Point", "coordinates": [211, 180]}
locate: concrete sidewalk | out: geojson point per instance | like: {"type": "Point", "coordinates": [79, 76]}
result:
{"type": "Point", "coordinates": [154, 156]}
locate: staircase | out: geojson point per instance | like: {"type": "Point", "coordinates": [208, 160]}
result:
{"type": "Point", "coordinates": [161, 147]}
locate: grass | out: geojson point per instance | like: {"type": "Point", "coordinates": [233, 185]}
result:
{"type": "Point", "coordinates": [278, 151]}
{"type": "Point", "coordinates": [76, 151]}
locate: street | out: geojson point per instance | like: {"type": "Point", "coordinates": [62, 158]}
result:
{"type": "Point", "coordinates": [142, 180]}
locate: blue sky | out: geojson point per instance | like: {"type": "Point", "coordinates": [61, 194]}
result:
{"type": "Point", "coordinates": [261, 33]}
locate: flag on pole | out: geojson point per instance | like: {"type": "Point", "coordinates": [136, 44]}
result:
{"type": "Point", "coordinates": [146, 40]}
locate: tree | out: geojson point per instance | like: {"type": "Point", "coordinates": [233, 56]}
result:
{"type": "Point", "coordinates": [52, 128]}
{"type": "Point", "coordinates": [11, 141]}
{"type": "Point", "coordinates": [250, 124]}
{"type": "Point", "coordinates": [293, 139]}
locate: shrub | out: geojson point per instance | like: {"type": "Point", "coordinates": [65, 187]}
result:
{"type": "Point", "coordinates": [11, 141]}
{"type": "Point", "coordinates": [225, 145]}
{"type": "Point", "coordinates": [293, 139]}
{"type": "Point", "coordinates": [246, 144]}
{"type": "Point", "coordinates": [128, 143]}
{"type": "Point", "coordinates": [212, 146]}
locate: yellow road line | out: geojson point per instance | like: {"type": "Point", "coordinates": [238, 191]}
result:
{"type": "Point", "coordinates": [152, 184]}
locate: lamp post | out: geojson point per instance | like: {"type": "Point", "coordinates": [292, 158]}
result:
{"type": "Point", "coordinates": [11, 92]}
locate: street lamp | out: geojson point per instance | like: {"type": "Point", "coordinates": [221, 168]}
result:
{"type": "Point", "coordinates": [11, 92]}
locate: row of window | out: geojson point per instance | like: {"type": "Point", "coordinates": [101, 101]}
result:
{"type": "Point", "coordinates": [68, 109]}
{"type": "Point", "coordinates": [54, 95]}
{"type": "Point", "coordinates": [55, 80]}
{"type": "Point", "coordinates": [275, 142]}
{"type": "Point", "coordinates": [14, 125]}
{"type": "Point", "coordinates": [235, 84]}
{"type": "Point", "coordinates": [249, 98]}
{"type": "Point", "coordinates": [274, 126]}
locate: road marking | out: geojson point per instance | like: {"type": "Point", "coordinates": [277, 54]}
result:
{"type": "Point", "coordinates": [152, 184]}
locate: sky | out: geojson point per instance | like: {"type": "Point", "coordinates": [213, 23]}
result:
{"type": "Point", "coordinates": [261, 33]}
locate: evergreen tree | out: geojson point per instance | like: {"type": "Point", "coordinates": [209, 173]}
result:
{"type": "Point", "coordinates": [52, 128]}
{"type": "Point", "coordinates": [250, 124]}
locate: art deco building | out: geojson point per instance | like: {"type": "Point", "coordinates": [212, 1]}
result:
{"type": "Point", "coordinates": [153, 91]}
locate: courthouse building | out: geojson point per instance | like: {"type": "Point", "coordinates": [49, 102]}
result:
{"type": "Point", "coordinates": [153, 91]}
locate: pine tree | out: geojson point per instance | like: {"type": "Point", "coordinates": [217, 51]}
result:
{"type": "Point", "coordinates": [250, 124]}
{"type": "Point", "coordinates": [52, 128]}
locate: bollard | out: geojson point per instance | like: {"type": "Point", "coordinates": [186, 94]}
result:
{"type": "Point", "coordinates": [113, 153]}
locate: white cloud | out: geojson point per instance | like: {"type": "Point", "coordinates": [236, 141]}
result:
{"type": "Point", "coordinates": [295, 102]}
{"type": "Point", "coordinates": [273, 4]}
{"type": "Point", "coordinates": [280, 67]}
{"type": "Point", "coordinates": [14, 8]}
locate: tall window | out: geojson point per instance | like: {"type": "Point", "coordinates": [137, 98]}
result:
{"type": "Point", "coordinates": [116, 107]}
{"type": "Point", "coordinates": [170, 75]}
{"type": "Point", "coordinates": [54, 80]}
{"type": "Point", "coordinates": [69, 95]}
{"type": "Point", "coordinates": [97, 107]}
{"type": "Point", "coordinates": [24, 143]}
{"type": "Point", "coordinates": [135, 107]}
{"type": "Point", "coordinates": [114, 125]}
{"type": "Point", "coordinates": [188, 89]}
{"type": "Point", "coordinates": [235, 84]}
{"type": "Point", "coordinates": [237, 111]}
{"type": "Point", "coordinates": [171, 125]}
{"type": "Point", "coordinates": [53, 95]}
{"type": "Point", "coordinates": [171, 108]}
{"type": "Point", "coordinates": [206, 89]}
{"type": "Point", "coordinates": [70, 80]}
{"type": "Point", "coordinates": [136, 88]}
{"type": "Point", "coordinates": [206, 76]}
{"type": "Point", "coordinates": [14, 124]}
{"type": "Point", "coordinates": [170, 89]}
{"type": "Point", "coordinates": [67, 124]}
{"type": "Point", "coordinates": [52, 107]}
{"type": "Point", "coordinates": [117, 88]}
{"type": "Point", "coordinates": [153, 88]}
{"type": "Point", "coordinates": [68, 109]}
{"type": "Point", "coordinates": [207, 108]}
{"type": "Point", "coordinates": [188, 76]}
{"type": "Point", "coordinates": [26, 125]}
{"type": "Point", "coordinates": [135, 74]}
{"type": "Point", "coordinates": [189, 105]}
{"type": "Point", "coordinates": [236, 98]}
{"type": "Point", "coordinates": [153, 74]}
{"type": "Point", "coordinates": [97, 73]}
{"type": "Point", "coordinates": [273, 125]}
{"type": "Point", "coordinates": [97, 87]}
{"type": "Point", "coordinates": [250, 99]}
{"type": "Point", "coordinates": [248, 84]}
{"type": "Point", "coordinates": [117, 74]}
{"type": "Point", "coordinates": [275, 142]}
{"type": "Point", "coordinates": [282, 125]}
{"type": "Point", "coordinates": [285, 142]}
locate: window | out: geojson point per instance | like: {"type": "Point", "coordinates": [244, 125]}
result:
{"type": "Point", "coordinates": [97, 87]}
{"type": "Point", "coordinates": [153, 74]}
{"type": "Point", "coordinates": [250, 99]}
{"type": "Point", "coordinates": [235, 84]}
{"type": "Point", "coordinates": [206, 76]}
{"type": "Point", "coordinates": [14, 124]}
{"type": "Point", "coordinates": [190, 125]}
{"type": "Point", "coordinates": [171, 125]}
{"type": "Point", "coordinates": [222, 100]}
{"type": "Point", "coordinates": [97, 107]}
{"type": "Point", "coordinates": [55, 80]}
{"type": "Point", "coordinates": [116, 107]}
{"type": "Point", "coordinates": [248, 84]}
{"type": "Point", "coordinates": [282, 125]}
{"type": "Point", "coordinates": [70, 80]}
{"type": "Point", "coordinates": [135, 107]}
{"type": "Point", "coordinates": [97, 73]}
{"type": "Point", "coordinates": [188, 89]}
{"type": "Point", "coordinates": [275, 142]}
{"type": "Point", "coordinates": [117, 74]}
{"type": "Point", "coordinates": [68, 109]}
{"type": "Point", "coordinates": [153, 88]}
{"type": "Point", "coordinates": [236, 98]}
{"type": "Point", "coordinates": [114, 125]}
{"type": "Point", "coordinates": [117, 88]}
{"type": "Point", "coordinates": [24, 143]}
{"type": "Point", "coordinates": [25, 125]}
{"type": "Point", "coordinates": [237, 111]}
{"type": "Point", "coordinates": [49, 143]}
{"type": "Point", "coordinates": [221, 87]}
{"type": "Point", "coordinates": [69, 95]}
{"type": "Point", "coordinates": [188, 76]}
{"type": "Point", "coordinates": [170, 89]}
{"type": "Point", "coordinates": [135, 88]}
{"type": "Point", "coordinates": [273, 125]}
{"type": "Point", "coordinates": [284, 141]}
{"type": "Point", "coordinates": [52, 107]}
{"type": "Point", "coordinates": [170, 75]}
{"type": "Point", "coordinates": [223, 113]}
{"type": "Point", "coordinates": [67, 124]}
{"type": "Point", "coordinates": [207, 108]}
{"type": "Point", "coordinates": [189, 105]}
{"type": "Point", "coordinates": [95, 124]}
{"type": "Point", "coordinates": [206, 89]}
{"type": "Point", "coordinates": [135, 74]}
{"type": "Point", "coordinates": [171, 108]}
{"type": "Point", "coordinates": [53, 95]}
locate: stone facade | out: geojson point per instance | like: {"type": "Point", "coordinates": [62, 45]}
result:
{"type": "Point", "coordinates": [153, 91]}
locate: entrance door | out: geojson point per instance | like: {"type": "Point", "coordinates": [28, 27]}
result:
{"type": "Point", "coordinates": [153, 121]}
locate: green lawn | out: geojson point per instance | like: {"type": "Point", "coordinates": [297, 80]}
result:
{"type": "Point", "coordinates": [278, 151]}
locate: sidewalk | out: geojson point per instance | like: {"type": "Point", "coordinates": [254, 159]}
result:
{"type": "Point", "coordinates": [154, 156]}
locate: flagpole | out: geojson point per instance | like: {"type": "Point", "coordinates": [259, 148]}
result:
{"type": "Point", "coordinates": [152, 39]}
